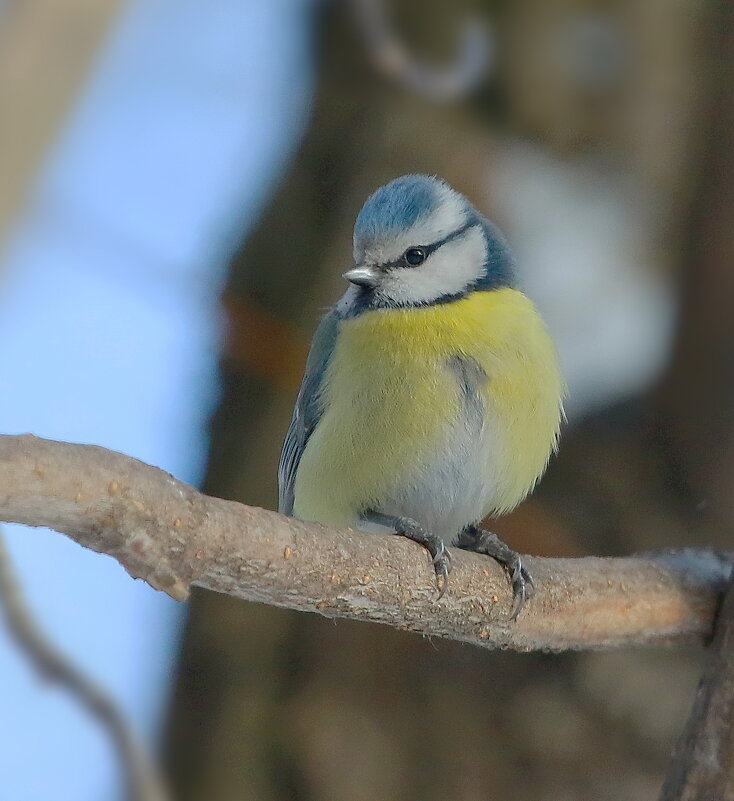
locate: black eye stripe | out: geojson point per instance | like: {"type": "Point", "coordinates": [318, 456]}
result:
{"type": "Point", "coordinates": [429, 249]}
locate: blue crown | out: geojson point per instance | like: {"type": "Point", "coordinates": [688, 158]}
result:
{"type": "Point", "coordinates": [397, 206]}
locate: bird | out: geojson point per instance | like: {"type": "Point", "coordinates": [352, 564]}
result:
{"type": "Point", "coordinates": [432, 396]}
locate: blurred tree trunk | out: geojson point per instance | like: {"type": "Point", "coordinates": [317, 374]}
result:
{"type": "Point", "coordinates": [45, 53]}
{"type": "Point", "coordinates": [695, 399]}
{"type": "Point", "coordinates": [271, 704]}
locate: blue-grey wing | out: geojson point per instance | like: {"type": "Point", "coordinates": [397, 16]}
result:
{"type": "Point", "coordinates": [308, 410]}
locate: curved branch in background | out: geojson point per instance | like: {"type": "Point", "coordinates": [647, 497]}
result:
{"type": "Point", "coordinates": [391, 57]}
{"type": "Point", "coordinates": [143, 780]}
{"type": "Point", "coordinates": [173, 537]}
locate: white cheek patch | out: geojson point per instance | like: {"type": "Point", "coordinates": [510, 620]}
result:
{"type": "Point", "coordinates": [448, 217]}
{"type": "Point", "coordinates": [448, 271]}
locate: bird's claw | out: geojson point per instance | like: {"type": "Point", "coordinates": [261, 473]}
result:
{"type": "Point", "coordinates": [472, 538]}
{"type": "Point", "coordinates": [409, 528]}
{"type": "Point", "coordinates": [442, 566]}
{"type": "Point", "coordinates": [523, 587]}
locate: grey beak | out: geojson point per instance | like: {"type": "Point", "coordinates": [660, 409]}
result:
{"type": "Point", "coordinates": [366, 277]}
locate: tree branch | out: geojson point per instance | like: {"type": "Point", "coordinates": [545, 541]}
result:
{"type": "Point", "coordinates": [703, 766]}
{"type": "Point", "coordinates": [173, 537]}
{"type": "Point", "coordinates": [144, 783]}
{"type": "Point", "coordinates": [391, 57]}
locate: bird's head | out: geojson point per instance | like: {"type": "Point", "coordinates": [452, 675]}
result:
{"type": "Point", "coordinates": [418, 242]}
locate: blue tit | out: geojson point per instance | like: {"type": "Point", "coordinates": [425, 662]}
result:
{"type": "Point", "coordinates": [432, 396]}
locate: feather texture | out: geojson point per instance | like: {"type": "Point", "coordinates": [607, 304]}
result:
{"type": "Point", "coordinates": [307, 411]}
{"type": "Point", "coordinates": [444, 413]}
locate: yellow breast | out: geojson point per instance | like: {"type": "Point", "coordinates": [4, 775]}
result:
{"type": "Point", "coordinates": [390, 400]}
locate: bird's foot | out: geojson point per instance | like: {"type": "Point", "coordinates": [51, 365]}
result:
{"type": "Point", "coordinates": [407, 527]}
{"type": "Point", "coordinates": [473, 538]}
{"type": "Point", "coordinates": [442, 566]}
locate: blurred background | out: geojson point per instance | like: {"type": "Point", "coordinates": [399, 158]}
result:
{"type": "Point", "coordinates": [179, 182]}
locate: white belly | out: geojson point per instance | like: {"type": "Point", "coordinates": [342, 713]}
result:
{"type": "Point", "coordinates": [450, 492]}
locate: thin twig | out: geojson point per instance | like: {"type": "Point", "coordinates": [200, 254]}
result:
{"type": "Point", "coordinates": [391, 57]}
{"type": "Point", "coordinates": [702, 768]}
{"type": "Point", "coordinates": [143, 780]}
{"type": "Point", "coordinates": [173, 537]}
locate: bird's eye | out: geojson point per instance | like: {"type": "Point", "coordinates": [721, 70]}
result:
{"type": "Point", "coordinates": [415, 256]}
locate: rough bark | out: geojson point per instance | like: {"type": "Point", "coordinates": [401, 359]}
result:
{"type": "Point", "coordinates": [172, 536]}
